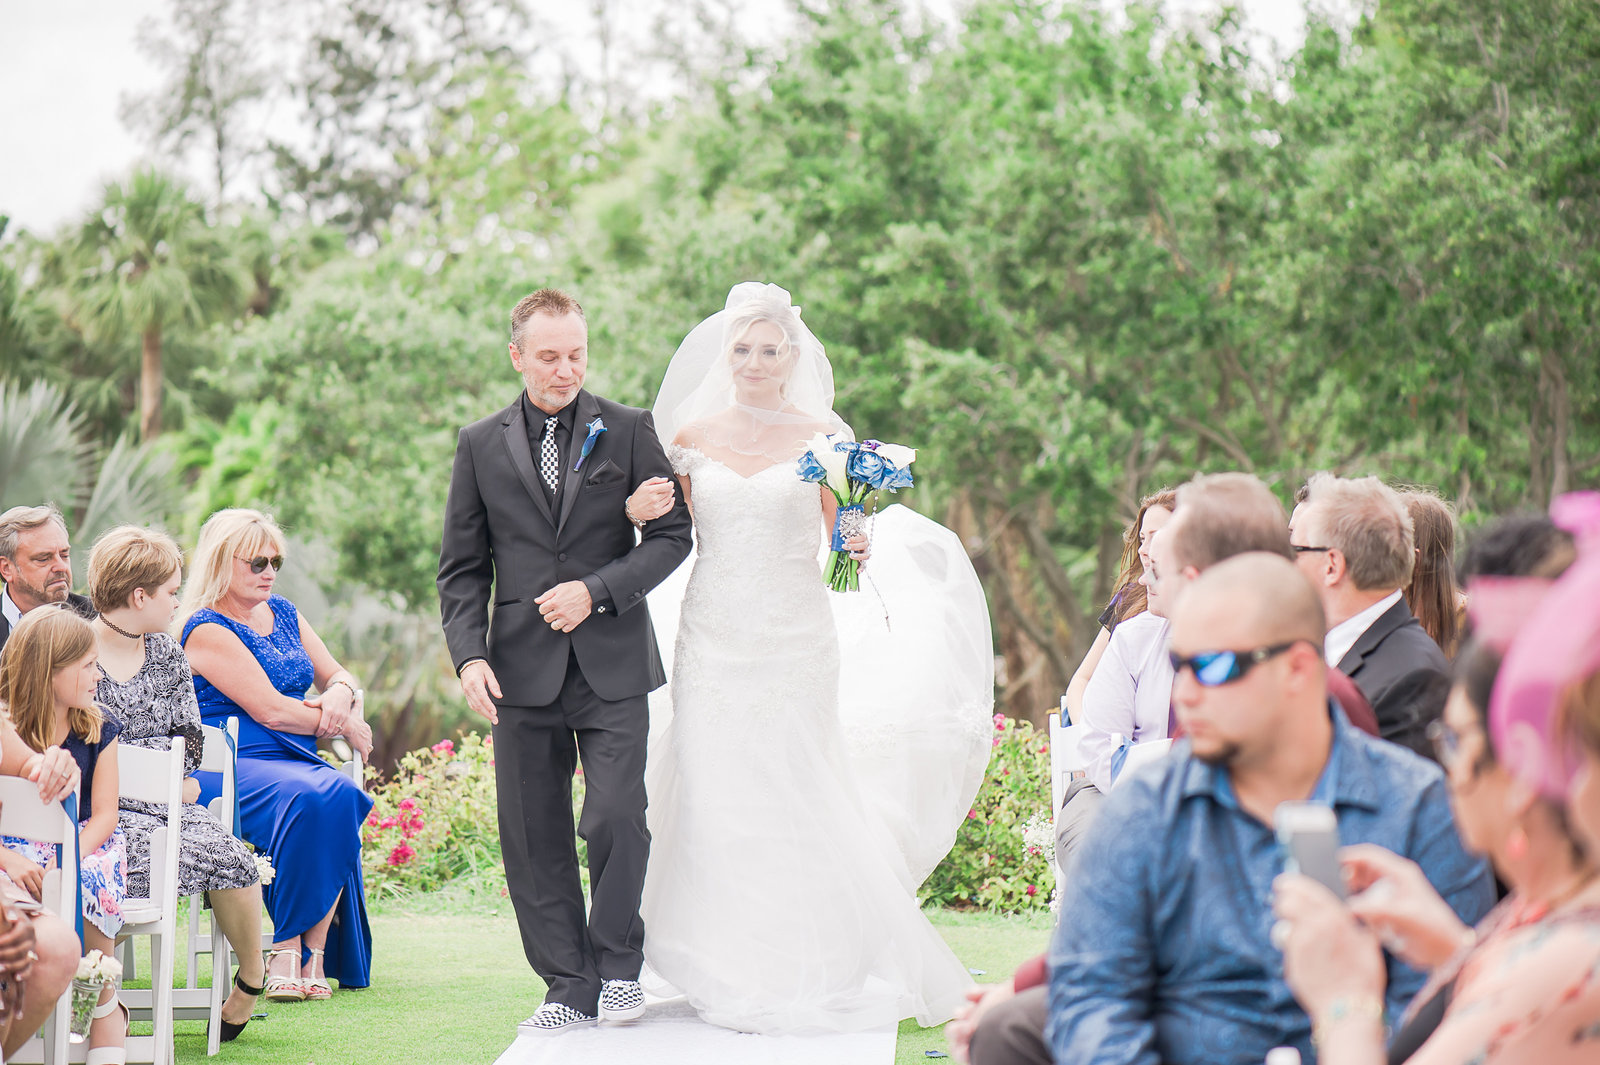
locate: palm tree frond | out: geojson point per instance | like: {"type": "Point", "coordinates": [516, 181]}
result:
{"type": "Point", "coordinates": [135, 486]}
{"type": "Point", "coordinates": [43, 455]}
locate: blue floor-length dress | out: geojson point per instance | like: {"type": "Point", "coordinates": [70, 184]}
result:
{"type": "Point", "coordinates": [294, 807]}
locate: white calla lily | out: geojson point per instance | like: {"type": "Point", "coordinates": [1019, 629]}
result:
{"type": "Point", "coordinates": [897, 455]}
{"type": "Point", "coordinates": [835, 462]}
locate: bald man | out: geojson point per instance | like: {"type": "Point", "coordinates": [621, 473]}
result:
{"type": "Point", "coordinates": [1164, 956]}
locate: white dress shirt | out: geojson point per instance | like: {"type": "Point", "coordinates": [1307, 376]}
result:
{"type": "Point", "coordinates": [1129, 697]}
{"type": "Point", "coordinates": [1344, 635]}
{"type": "Point", "coordinates": [12, 612]}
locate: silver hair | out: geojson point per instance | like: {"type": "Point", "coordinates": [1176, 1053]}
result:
{"type": "Point", "coordinates": [1368, 523]}
{"type": "Point", "coordinates": [18, 520]}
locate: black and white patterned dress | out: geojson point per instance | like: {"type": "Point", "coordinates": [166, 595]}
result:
{"type": "Point", "coordinates": [156, 705]}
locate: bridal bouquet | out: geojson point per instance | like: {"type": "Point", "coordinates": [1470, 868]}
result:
{"type": "Point", "coordinates": [855, 472]}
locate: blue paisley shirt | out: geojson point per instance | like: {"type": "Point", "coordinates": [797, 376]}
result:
{"type": "Point", "coordinates": [1162, 955]}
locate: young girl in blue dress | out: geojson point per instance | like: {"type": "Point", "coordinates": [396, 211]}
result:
{"type": "Point", "coordinates": [47, 684]}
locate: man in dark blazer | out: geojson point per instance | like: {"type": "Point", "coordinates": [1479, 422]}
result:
{"type": "Point", "coordinates": [537, 515]}
{"type": "Point", "coordinates": [1353, 540]}
{"type": "Point", "coordinates": [35, 564]}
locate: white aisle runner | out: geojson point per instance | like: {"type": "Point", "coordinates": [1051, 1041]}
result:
{"type": "Point", "coordinates": [670, 1033]}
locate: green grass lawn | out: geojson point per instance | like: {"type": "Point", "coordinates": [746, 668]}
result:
{"type": "Point", "coordinates": [450, 984]}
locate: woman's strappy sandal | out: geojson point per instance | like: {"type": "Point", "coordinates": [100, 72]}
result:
{"type": "Point", "coordinates": [285, 988]}
{"type": "Point", "coordinates": [110, 1055]}
{"type": "Point", "coordinates": [317, 987]}
{"type": "Point", "coordinates": [230, 1031]}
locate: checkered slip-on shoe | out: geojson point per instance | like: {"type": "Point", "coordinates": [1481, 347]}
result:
{"type": "Point", "coordinates": [621, 1001]}
{"type": "Point", "coordinates": [554, 1017]}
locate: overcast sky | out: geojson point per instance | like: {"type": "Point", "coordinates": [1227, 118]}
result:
{"type": "Point", "coordinates": [65, 64]}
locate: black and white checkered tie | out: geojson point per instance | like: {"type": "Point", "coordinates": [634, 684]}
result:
{"type": "Point", "coordinates": [549, 459]}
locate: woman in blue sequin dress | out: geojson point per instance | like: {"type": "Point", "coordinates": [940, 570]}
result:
{"type": "Point", "coordinates": [255, 658]}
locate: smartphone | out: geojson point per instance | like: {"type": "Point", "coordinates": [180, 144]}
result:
{"type": "Point", "coordinates": [1309, 835]}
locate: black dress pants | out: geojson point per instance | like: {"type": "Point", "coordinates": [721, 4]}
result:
{"type": "Point", "coordinates": [536, 750]}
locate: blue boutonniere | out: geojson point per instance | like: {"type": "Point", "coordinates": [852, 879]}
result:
{"type": "Point", "coordinates": [595, 428]}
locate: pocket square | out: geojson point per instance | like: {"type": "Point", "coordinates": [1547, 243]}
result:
{"type": "Point", "coordinates": [605, 473]}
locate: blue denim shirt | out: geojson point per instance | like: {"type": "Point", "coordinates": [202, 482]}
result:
{"type": "Point", "coordinates": [1162, 955]}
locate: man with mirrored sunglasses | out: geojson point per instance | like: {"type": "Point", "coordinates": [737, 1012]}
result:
{"type": "Point", "coordinates": [1164, 952]}
{"type": "Point", "coordinates": [1218, 516]}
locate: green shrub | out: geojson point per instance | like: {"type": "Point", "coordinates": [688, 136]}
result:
{"type": "Point", "coordinates": [992, 865]}
{"type": "Point", "coordinates": [434, 819]}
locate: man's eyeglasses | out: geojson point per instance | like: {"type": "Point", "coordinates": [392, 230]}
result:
{"type": "Point", "coordinates": [261, 562]}
{"type": "Point", "coordinates": [1301, 549]}
{"type": "Point", "coordinates": [1212, 669]}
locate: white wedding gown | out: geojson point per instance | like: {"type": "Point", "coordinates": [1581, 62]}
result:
{"type": "Point", "coordinates": [784, 857]}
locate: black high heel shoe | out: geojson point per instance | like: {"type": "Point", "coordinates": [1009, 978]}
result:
{"type": "Point", "coordinates": [230, 1031]}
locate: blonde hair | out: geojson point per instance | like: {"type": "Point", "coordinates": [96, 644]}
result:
{"type": "Point", "coordinates": [127, 558]}
{"type": "Point", "coordinates": [758, 309]}
{"type": "Point", "coordinates": [47, 640]}
{"type": "Point", "coordinates": [1368, 523]}
{"type": "Point", "coordinates": [225, 534]}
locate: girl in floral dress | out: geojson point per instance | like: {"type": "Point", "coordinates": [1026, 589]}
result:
{"type": "Point", "coordinates": [47, 683]}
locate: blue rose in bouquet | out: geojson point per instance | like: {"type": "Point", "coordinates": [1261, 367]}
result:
{"type": "Point", "coordinates": [855, 472]}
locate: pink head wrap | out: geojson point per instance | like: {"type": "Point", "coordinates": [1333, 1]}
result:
{"type": "Point", "coordinates": [1550, 634]}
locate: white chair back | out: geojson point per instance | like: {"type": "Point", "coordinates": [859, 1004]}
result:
{"type": "Point", "coordinates": [1066, 763]}
{"type": "Point", "coordinates": [355, 768]}
{"type": "Point", "coordinates": [155, 777]}
{"type": "Point", "coordinates": [22, 814]}
{"type": "Point", "coordinates": [193, 1001]}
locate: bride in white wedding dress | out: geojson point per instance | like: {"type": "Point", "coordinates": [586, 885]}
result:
{"type": "Point", "coordinates": [790, 831]}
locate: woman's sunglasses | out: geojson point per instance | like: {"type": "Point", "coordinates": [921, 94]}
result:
{"type": "Point", "coordinates": [261, 562]}
{"type": "Point", "coordinates": [1213, 669]}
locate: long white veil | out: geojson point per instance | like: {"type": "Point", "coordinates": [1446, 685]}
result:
{"type": "Point", "coordinates": [916, 653]}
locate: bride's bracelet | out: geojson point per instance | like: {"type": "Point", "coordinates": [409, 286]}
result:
{"type": "Point", "coordinates": [627, 512]}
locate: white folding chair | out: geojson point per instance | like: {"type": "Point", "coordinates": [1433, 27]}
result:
{"type": "Point", "coordinates": [22, 814]}
{"type": "Point", "coordinates": [192, 1001]}
{"type": "Point", "coordinates": [1066, 764]}
{"type": "Point", "coordinates": [355, 768]}
{"type": "Point", "coordinates": [154, 777]}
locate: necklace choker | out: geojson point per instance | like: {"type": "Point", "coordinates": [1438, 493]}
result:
{"type": "Point", "coordinates": [120, 631]}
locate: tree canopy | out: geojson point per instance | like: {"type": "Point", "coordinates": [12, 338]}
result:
{"type": "Point", "coordinates": [1072, 256]}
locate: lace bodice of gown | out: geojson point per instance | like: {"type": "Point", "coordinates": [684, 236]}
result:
{"type": "Point", "coordinates": [755, 586]}
{"type": "Point", "coordinates": [770, 519]}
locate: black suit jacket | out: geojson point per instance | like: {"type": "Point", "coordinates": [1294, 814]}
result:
{"type": "Point", "coordinates": [77, 602]}
{"type": "Point", "coordinates": [500, 534]}
{"type": "Point", "coordinates": [1403, 674]}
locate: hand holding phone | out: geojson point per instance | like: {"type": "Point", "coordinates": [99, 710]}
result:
{"type": "Point", "coordinates": [1309, 835]}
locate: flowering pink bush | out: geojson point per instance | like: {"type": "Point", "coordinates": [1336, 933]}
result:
{"type": "Point", "coordinates": [433, 819]}
{"type": "Point", "coordinates": [991, 865]}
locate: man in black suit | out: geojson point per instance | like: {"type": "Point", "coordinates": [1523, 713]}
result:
{"type": "Point", "coordinates": [1353, 540]}
{"type": "Point", "coordinates": [537, 511]}
{"type": "Point", "coordinates": [35, 564]}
